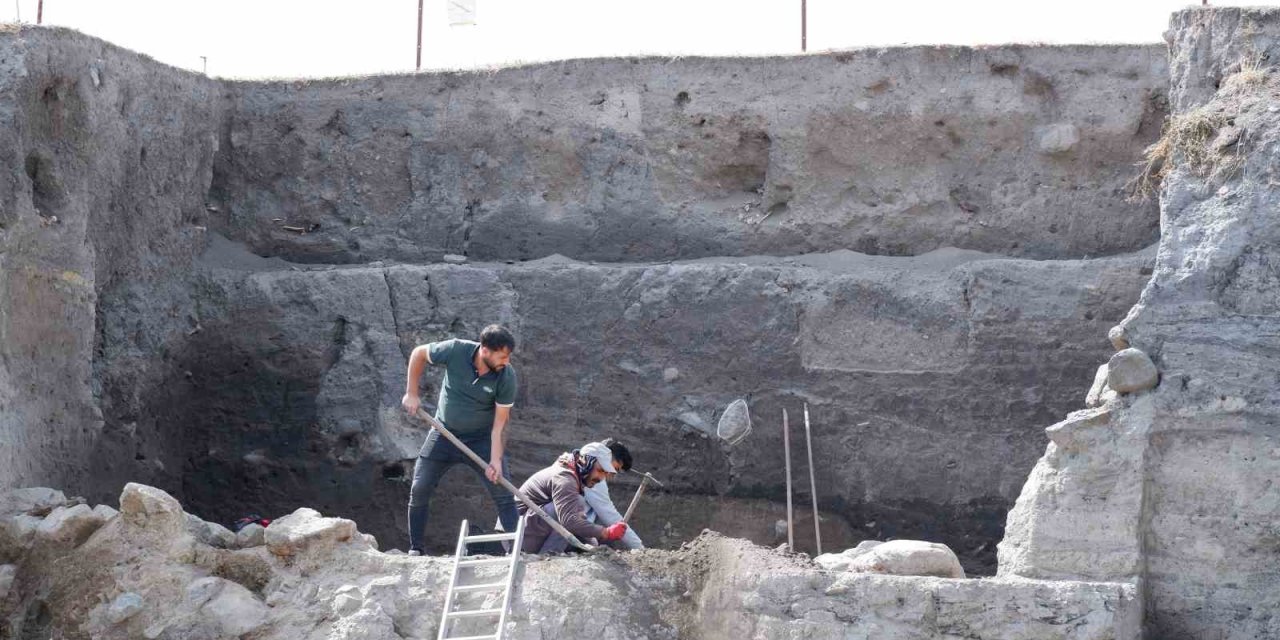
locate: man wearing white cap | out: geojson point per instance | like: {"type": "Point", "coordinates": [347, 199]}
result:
{"type": "Point", "coordinates": [559, 489]}
{"type": "Point", "coordinates": [600, 509]}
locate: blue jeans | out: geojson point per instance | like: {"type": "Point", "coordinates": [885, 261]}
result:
{"type": "Point", "coordinates": [436, 457]}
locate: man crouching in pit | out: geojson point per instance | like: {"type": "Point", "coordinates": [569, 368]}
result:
{"type": "Point", "coordinates": [558, 490]}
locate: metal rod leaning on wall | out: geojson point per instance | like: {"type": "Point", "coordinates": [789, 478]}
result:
{"type": "Point", "coordinates": [559, 528]}
{"type": "Point", "coordinates": [786, 447]}
{"type": "Point", "coordinates": [813, 486]}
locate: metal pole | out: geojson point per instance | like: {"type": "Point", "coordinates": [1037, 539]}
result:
{"type": "Point", "coordinates": [419, 64]}
{"type": "Point", "coordinates": [813, 486]}
{"type": "Point", "coordinates": [804, 25]}
{"type": "Point", "coordinates": [559, 528]}
{"type": "Point", "coordinates": [786, 447]}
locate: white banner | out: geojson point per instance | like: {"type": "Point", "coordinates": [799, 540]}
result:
{"type": "Point", "coordinates": [461, 12]}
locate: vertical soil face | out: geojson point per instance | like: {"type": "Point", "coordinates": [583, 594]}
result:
{"type": "Point", "coordinates": [783, 230]}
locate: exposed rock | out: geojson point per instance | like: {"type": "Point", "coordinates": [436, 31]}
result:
{"type": "Point", "coordinates": [305, 530]}
{"type": "Point", "coordinates": [1177, 492]}
{"type": "Point", "coordinates": [1131, 370]}
{"type": "Point", "coordinates": [211, 533]}
{"type": "Point", "coordinates": [149, 507]}
{"type": "Point", "coordinates": [715, 587]}
{"type": "Point", "coordinates": [1099, 393]}
{"type": "Point", "coordinates": [1059, 138]}
{"type": "Point", "coordinates": [251, 535]}
{"type": "Point", "coordinates": [69, 525]}
{"type": "Point", "coordinates": [125, 606]}
{"type": "Point", "coordinates": [1119, 339]}
{"type": "Point", "coordinates": [225, 606]}
{"type": "Point", "coordinates": [908, 558]}
{"type": "Point", "coordinates": [36, 501]}
{"type": "Point", "coordinates": [17, 532]}
{"type": "Point", "coordinates": [7, 574]}
{"type": "Point", "coordinates": [1073, 434]}
{"type": "Point", "coordinates": [105, 512]}
{"type": "Point", "coordinates": [842, 561]}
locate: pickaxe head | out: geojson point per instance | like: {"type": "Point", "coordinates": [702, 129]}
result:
{"type": "Point", "coordinates": [647, 477]}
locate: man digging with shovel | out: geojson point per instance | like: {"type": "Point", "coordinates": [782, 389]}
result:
{"type": "Point", "coordinates": [476, 396]}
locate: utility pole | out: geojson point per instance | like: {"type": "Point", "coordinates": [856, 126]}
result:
{"type": "Point", "coordinates": [204, 65]}
{"type": "Point", "coordinates": [40, 12]}
{"type": "Point", "coordinates": [419, 64]}
{"type": "Point", "coordinates": [804, 26]}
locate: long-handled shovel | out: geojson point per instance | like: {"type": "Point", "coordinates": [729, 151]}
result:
{"type": "Point", "coordinates": [438, 426]}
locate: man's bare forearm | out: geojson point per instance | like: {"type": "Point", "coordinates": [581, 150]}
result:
{"type": "Point", "coordinates": [417, 363]}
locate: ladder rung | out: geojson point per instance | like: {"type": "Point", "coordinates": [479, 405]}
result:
{"type": "Point", "coordinates": [475, 613]}
{"type": "Point", "coordinates": [481, 587]}
{"type": "Point", "coordinates": [490, 537]}
{"type": "Point", "coordinates": [475, 563]}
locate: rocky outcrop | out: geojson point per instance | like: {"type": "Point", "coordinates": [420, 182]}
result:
{"type": "Point", "coordinates": [131, 581]}
{"type": "Point", "coordinates": [1173, 487]}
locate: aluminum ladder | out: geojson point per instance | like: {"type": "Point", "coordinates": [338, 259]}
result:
{"type": "Point", "coordinates": [460, 562]}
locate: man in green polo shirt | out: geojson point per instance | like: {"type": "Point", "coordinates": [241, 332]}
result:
{"type": "Point", "coordinates": [476, 396]}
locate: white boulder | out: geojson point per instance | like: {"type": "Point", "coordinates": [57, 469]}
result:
{"type": "Point", "coordinates": [305, 530]}
{"type": "Point", "coordinates": [909, 558]}
{"type": "Point", "coordinates": [152, 508]}
{"type": "Point", "coordinates": [1131, 370]}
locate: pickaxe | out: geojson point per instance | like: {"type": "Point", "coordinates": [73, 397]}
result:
{"type": "Point", "coordinates": [645, 480]}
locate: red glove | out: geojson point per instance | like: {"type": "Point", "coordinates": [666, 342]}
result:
{"type": "Point", "coordinates": [614, 532]}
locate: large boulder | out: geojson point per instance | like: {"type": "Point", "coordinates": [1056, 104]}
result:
{"type": "Point", "coordinates": [909, 558]}
{"type": "Point", "coordinates": [305, 530]}
{"type": "Point", "coordinates": [149, 507]}
{"type": "Point", "coordinates": [1131, 370]}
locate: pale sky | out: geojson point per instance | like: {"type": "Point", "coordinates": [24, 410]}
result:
{"type": "Point", "coordinates": [291, 38]}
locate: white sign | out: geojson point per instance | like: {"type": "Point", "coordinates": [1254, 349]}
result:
{"type": "Point", "coordinates": [461, 12]}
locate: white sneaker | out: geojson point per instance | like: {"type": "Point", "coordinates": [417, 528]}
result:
{"type": "Point", "coordinates": [414, 552]}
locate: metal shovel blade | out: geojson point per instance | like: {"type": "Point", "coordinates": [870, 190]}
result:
{"type": "Point", "coordinates": [735, 422]}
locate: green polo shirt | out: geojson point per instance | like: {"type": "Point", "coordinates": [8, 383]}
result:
{"type": "Point", "coordinates": [467, 399]}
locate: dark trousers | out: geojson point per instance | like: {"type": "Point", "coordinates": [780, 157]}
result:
{"type": "Point", "coordinates": [436, 457]}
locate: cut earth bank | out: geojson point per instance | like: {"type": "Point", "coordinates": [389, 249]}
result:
{"type": "Point", "coordinates": [155, 332]}
{"type": "Point", "coordinates": [1163, 493]}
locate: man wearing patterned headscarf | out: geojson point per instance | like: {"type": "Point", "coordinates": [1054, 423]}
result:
{"type": "Point", "coordinates": [559, 490]}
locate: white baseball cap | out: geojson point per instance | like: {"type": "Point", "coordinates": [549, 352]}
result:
{"type": "Point", "coordinates": [601, 453]}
